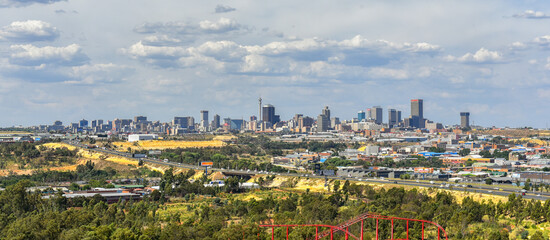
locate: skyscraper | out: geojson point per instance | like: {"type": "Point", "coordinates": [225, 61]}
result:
{"type": "Point", "coordinates": [322, 123]}
{"type": "Point", "coordinates": [326, 112]}
{"type": "Point", "coordinates": [417, 113]}
{"type": "Point", "coordinates": [204, 119]}
{"type": "Point", "coordinates": [268, 113]}
{"type": "Point", "coordinates": [392, 117]}
{"type": "Point", "coordinates": [139, 119]}
{"type": "Point", "coordinates": [376, 114]}
{"type": "Point", "coordinates": [83, 123]}
{"type": "Point", "coordinates": [399, 117]}
{"type": "Point", "coordinates": [216, 122]}
{"type": "Point", "coordinates": [361, 116]}
{"type": "Point", "coordinates": [464, 119]}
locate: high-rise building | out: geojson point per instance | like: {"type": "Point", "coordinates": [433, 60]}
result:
{"type": "Point", "coordinates": [268, 113]}
{"type": "Point", "coordinates": [399, 119]}
{"type": "Point", "coordinates": [322, 123]}
{"type": "Point", "coordinates": [83, 123]}
{"type": "Point", "coordinates": [361, 116]}
{"type": "Point", "coordinates": [376, 114]}
{"type": "Point", "coordinates": [334, 121]}
{"type": "Point", "coordinates": [297, 117]}
{"type": "Point", "coordinates": [392, 117]}
{"type": "Point", "coordinates": [368, 114]}
{"type": "Point", "coordinates": [58, 123]}
{"type": "Point", "coordinates": [326, 112]}
{"type": "Point", "coordinates": [216, 122]}
{"type": "Point", "coordinates": [417, 113]}
{"type": "Point", "coordinates": [184, 122]}
{"type": "Point", "coordinates": [204, 119]}
{"type": "Point", "coordinates": [140, 119]}
{"type": "Point", "coordinates": [464, 119]}
{"type": "Point", "coordinates": [236, 124]}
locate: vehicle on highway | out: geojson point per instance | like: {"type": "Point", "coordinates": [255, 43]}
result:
{"type": "Point", "coordinates": [165, 160]}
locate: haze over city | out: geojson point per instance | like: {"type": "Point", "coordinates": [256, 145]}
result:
{"type": "Point", "coordinates": [68, 60]}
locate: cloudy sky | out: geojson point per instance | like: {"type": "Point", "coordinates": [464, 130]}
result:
{"type": "Point", "coordinates": [103, 59]}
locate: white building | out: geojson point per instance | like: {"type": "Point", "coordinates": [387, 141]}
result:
{"type": "Point", "coordinates": [141, 137]}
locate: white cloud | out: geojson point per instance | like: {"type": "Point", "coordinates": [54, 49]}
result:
{"type": "Point", "coordinates": [532, 15]}
{"type": "Point", "coordinates": [361, 42]}
{"type": "Point", "coordinates": [22, 3]}
{"type": "Point", "coordinates": [481, 56]}
{"type": "Point", "coordinates": [139, 50]}
{"type": "Point", "coordinates": [29, 31]}
{"type": "Point", "coordinates": [222, 25]}
{"type": "Point", "coordinates": [543, 40]}
{"type": "Point", "coordinates": [223, 9]}
{"type": "Point", "coordinates": [99, 73]}
{"type": "Point", "coordinates": [547, 66]}
{"type": "Point", "coordinates": [223, 50]}
{"type": "Point", "coordinates": [29, 55]}
{"type": "Point", "coordinates": [160, 40]}
{"type": "Point", "coordinates": [348, 58]}
{"type": "Point", "coordinates": [388, 73]}
{"type": "Point", "coordinates": [518, 46]}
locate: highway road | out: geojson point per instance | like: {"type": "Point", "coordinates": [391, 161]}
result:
{"type": "Point", "coordinates": [493, 190]}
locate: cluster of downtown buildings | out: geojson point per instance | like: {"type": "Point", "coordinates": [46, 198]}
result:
{"type": "Point", "coordinates": [369, 121]}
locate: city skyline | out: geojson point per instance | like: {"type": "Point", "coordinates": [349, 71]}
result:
{"type": "Point", "coordinates": [59, 60]}
{"type": "Point", "coordinates": [325, 120]}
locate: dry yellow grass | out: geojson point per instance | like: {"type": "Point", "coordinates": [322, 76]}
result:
{"type": "Point", "coordinates": [225, 138]}
{"type": "Point", "coordinates": [58, 145]}
{"type": "Point", "coordinates": [160, 144]}
{"type": "Point", "coordinates": [15, 132]}
{"type": "Point", "coordinates": [99, 156]}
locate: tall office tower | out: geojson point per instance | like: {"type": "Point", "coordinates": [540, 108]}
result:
{"type": "Point", "coordinates": [376, 114]}
{"type": "Point", "coordinates": [417, 113]}
{"type": "Point", "coordinates": [399, 119]}
{"type": "Point", "coordinates": [334, 121]}
{"type": "Point", "coordinates": [464, 119]}
{"type": "Point", "coordinates": [260, 108]}
{"type": "Point", "coordinates": [180, 122]}
{"type": "Point", "coordinates": [190, 122]}
{"type": "Point", "coordinates": [326, 112]}
{"type": "Point", "coordinates": [268, 113]}
{"type": "Point", "coordinates": [204, 119]}
{"type": "Point", "coordinates": [392, 117]}
{"type": "Point", "coordinates": [94, 123]}
{"type": "Point", "coordinates": [83, 123]}
{"type": "Point", "coordinates": [361, 116]}
{"type": "Point", "coordinates": [58, 123]}
{"type": "Point", "coordinates": [368, 114]}
{"type": "Point", "coordinates": [139, 119]}
{"type": "Point", "coordinates": [297, 117]}
{"type": "Point", "coordinates": [253, 118]}
{"type": "Point", "coordinates": [216, 122]}
{"type": "Point", "coordinates": [322, 123]}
